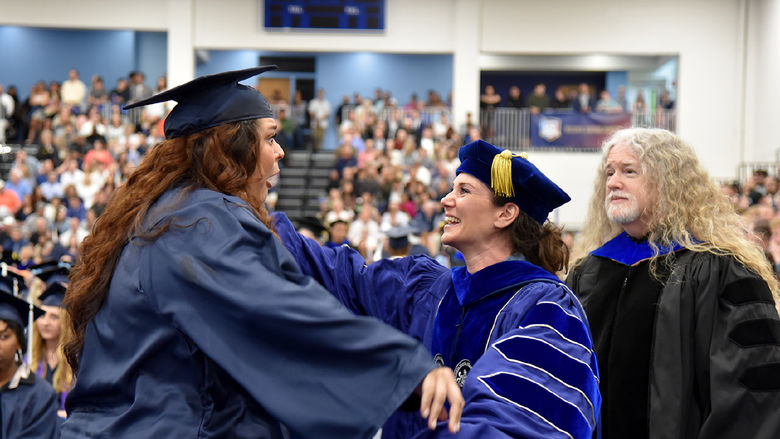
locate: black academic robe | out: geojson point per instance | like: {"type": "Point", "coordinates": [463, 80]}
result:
{"type": "Point", "coordinates": [211, 331]}
{"type": "Point", "coordinates": [714, 357]}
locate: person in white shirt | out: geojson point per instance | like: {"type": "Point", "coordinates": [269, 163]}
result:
{"type": "Point", "coordinates": [319, 112]}
{"type": "Point", "coordinates": [73, 90]}
{"type": "Point", "coordinates": [6, 110]}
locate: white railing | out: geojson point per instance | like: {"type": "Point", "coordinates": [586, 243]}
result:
{"type": "Point", "coordinates": [511, 127]}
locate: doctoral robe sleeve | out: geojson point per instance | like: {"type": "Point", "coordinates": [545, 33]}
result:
{"type": "Point", "coordinates": [229, 286]}
{"type": "Point", "coordinates": [400, 292]}
{"type": "Point", "coordinates": [538, 380]}
{"type": "Point", "coordinates": [741, 373]}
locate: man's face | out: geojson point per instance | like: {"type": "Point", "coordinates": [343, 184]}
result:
{"type": "Point", "coordinates": [629, 194]}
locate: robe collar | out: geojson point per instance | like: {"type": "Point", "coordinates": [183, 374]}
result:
{"type": "Point", "coordinates": [627, 251]}
{"type": "Point", "coordinates": [471, 287]}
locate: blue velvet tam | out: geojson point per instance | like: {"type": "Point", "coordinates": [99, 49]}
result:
{"type": "Point", "coordinates": [211, 100]}
{"type": "Point", "coordinates": [14, 309]}
{"type": "Point", "coordinates": [512, 176]}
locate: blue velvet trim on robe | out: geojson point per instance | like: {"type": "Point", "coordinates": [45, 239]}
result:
{"type": "Point", "coordinates": [626, 251]}
{"type": "Point", "coordinates": [555, 362]}
{"type": "Point", "coordinates": [555, 410]}
{"type": "Point", "coordinates": [468, 310]}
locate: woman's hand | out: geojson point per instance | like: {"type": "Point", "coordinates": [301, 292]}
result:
{"type": "Point", "coordinates": [439, 385]}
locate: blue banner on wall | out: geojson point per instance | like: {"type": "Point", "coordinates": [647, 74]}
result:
{"type": "Point", "coordinates": [575, 130]}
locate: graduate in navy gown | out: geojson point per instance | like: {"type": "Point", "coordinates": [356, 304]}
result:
{"type": "Point", "coordinates": [191, 320]}
{"type": "Point", "coordinates": [28, 404]}
{"type": "Point", "coordinates": [515, 335]}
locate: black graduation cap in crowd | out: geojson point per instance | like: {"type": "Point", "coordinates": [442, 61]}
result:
{"type": "Point", "coordinates": [9, 257]}
{"type": "Point", "coordinates": [14, 309]}
{"type": "Point", "coordinates": [211, 100]}
{"type": "Point", "coordinates": [55, 274]}
{"type": "Point", "coordinates": [311, 223]}
{"type": "Point", "coordinates": [398, 237]}
{"type": "Point", "coordinates": [7, 282]}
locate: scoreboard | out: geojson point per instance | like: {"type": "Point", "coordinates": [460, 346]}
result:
{"type": "Point", "coordinates": [325, 14]}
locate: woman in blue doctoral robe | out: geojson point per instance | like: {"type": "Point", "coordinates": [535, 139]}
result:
{"type": "Point", "coordinates": [515, 335]}
{"type": "Point", "coordinates": [191, 320]}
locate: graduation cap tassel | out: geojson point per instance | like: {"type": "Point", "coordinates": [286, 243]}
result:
{"type": "Point", "coordinates": [30, 322]}
{"type": "Point", "coordinates": [501, 174]}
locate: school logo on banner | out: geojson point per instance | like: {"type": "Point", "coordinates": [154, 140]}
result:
{"type": "Point", "coordinates": [549, 128]}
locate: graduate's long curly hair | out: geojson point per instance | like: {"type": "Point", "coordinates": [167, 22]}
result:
{"type": "Point", "coordinates": [689, 208]}
{"type": "Point", "coordinates": [222, 158]}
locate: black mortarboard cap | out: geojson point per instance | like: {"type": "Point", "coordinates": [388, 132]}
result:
{"type": "Point", "coordinates": [398, 237]}
{"type": "Point", "coordinates": [9, 257]}
{"type": "Point", "coordinates": [312, 223]}
{"type": "Point", "coordinates": [14, 309]}
{"type": "Point", "coordinates": [211, 100]}
{"type": "Point", "coordinates": [54, 293]}
{"type": "Point", "coordinates": [7, 282]}
{"type": "Point", "coordinates": [55, 274]}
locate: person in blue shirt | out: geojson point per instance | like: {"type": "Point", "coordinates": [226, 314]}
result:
{"type": "Point", "coordinates": [516, 336]}
{"type": "Point", "coordinates": [189, 319]}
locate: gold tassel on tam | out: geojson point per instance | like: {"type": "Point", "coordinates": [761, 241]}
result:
{"type": "Point", "coordinates": [501, 173]}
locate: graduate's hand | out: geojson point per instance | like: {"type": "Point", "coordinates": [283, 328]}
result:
{"type": "Point", "coordinates": [436, 388]}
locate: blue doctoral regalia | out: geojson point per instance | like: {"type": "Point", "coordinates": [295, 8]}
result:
{"type": "Point", "coordinates": [515, 335]}
{"type": "Point", "coordinates": [211, 330]}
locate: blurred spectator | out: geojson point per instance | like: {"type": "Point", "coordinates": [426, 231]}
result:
{"type": "Point", "coordinates": [138, 87]}
{"type": "Point", "coordinates": [286, 129]}
{"type": "Point", "coordinates": [515, 98]}
{"type": "Point", "coordinates": [606, 104]}
{"type": "Point", "coordinates": [665, 101]}
{"type": "Point", "coordinates": [7, 106]}
{"type": "Point", "coordinates": [413, 103]}
{"type": "Point", "coordinates": [74, 231]}
{"type": "Point", "coordinates": [319, 113]}
{"type": "Point", "coordinates": [337, 234]}
{"type": "Point", "coordinates": [539, 100]}
{"type": "Point", "coordinates": [300, 119]}
{"type": "Point", "coordinates": [560, 100]}
{"type": "Point", "coordinates": [585, 102]}
{"type": "Point", "coordinates": [488, 102]}
{"type": "Point", "coordinates": [17, 184]}
{"type": "Point", "coordinates": [98, 96]}
{"type": "Point", "coordinates": [639, 105]}
{"type": "Point", "coordinates": [621, 97]}
{"type": "Point", "coordinates": [73, 91]}
{"type": "Point", "coordinates": [364, 232]}
{"type": "Point", "coordinates": [120, 95]}
{"type": "Point", "coordinates": [75, 207]}
{"type": "Point", "coordinates": [15, 240]}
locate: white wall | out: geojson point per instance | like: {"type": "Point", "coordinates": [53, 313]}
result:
{"type": "Point", "coordinates": [762, 86]}
{"type": "Point", "coordinates": [146, 15]}
{"type": "Point", "coordinates": [411, 26]}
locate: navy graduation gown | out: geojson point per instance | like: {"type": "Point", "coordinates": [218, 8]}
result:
{"type": "Point", "coordinates": [29, 407]}
{"type": "Point", "coordinates": [515, 335]}
{"type": "Point", "coordinates": [211, 330]}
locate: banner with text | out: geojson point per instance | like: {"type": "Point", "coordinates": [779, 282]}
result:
{"type": "Point", "coordinates": [575, 130]}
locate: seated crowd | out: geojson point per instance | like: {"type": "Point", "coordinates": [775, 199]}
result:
{"type": "Point", "coordinates": [392, 165]}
